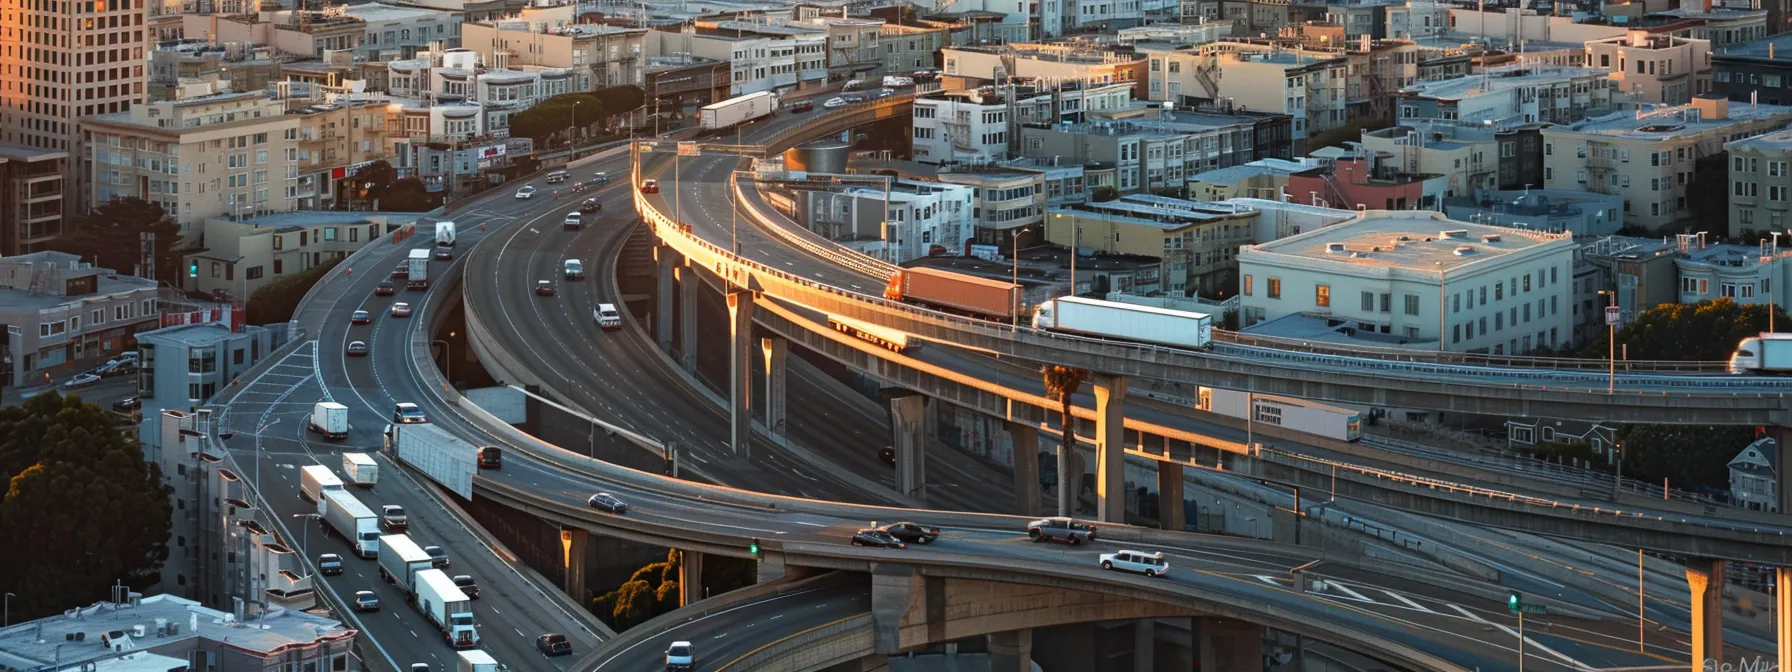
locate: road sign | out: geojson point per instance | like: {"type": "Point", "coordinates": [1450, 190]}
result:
{"type": "Point", "coordinates": [1613, 315]}
{"type": "Point", "coordinates": [1535, 609]}
{"type": "Point", "coordinates": [689, 149]}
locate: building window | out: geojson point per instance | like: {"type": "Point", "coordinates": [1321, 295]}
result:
{"type": "Point", "coordinates": [1368, 302]}
{"type": "Point", "coordinates": [1247, 285]}
{"type": "Point", "coordinates": [1275, 288]}
{"type": "Point", "coordinates": [1322, 295]}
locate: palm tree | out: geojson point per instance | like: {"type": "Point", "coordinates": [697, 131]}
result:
{"type": "Point", "coordinates": [1060, 383]}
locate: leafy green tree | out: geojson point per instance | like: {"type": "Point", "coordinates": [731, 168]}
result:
{"type": "Point", "coordinates": [1061, 382]}
{"type": "Point", "coordinates": [619, 100]}
{"type": "Point", "coordinates": [372, 181]}
{"type": "Point", "coordinates": [408, 195]}
{"type": "Point", "coordinates": [555, 116]}
{"type": "Point", "coordinates": [55, 450]}
{"type": "Point", "coordinates": [1705, 331]}
{"type": "Point", "coordinates": [109, 236]}
{"type": "Point", "coordinates": [634, 605]}
{"type": "Point", "coordinates": [276, 302]}
{"type": "Point", "coordinates": [651, 591]}
{"type": "Point", "coordinates": [1689, 456]}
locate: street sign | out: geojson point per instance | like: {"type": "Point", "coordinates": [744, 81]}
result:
{"type": "Point", "coordinates": [1535, 609]}
{"type": "Point", "coordinates": [689, 149]}
{"type": "Point", "coordinates": [1613, 316]}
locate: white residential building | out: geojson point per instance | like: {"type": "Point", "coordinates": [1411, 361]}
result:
{"type": "Point", "coordinates": [1746, 274]}
{"type": "Point", "coordinates": [961, 126]}
{"type": "Point", "coordinates": [924, 218]}
{"type": "Point", "coordinates": [468, 99]}
{"type": "Point", "coordinates": [1753, 482]}
{"type": "Point", "coordinates": [1510, 96]}
{"type": "Point", "coordinates": [1411, 277]}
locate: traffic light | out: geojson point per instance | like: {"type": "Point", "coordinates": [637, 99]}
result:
{"type": "Point", "coordinates": [754, 547]}
{"type": "Point", "coordinates": [193, 269]}
{"type": "Point", "coordinates": [1514, 602]}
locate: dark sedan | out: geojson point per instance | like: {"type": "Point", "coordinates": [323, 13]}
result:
{"type": "Point", "coordinates": [876, 538]}
{"type": "Point", "coordinates": [553, 644]}
{"type": "Point", "coordinates": [386, 288]}
{"type": "Point", "coordinates": [912, 533]}
{"type": "Point", "coordinates": [607, 502]}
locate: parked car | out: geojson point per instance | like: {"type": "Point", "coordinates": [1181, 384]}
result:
{"type": "Point", "coordinates": [876, 538]}
{"type": "Point", "coordinates": [357, 348]}
{"type": "Point", "coordinates": [365, 600]}
{"type": "Point", "coordinates": [444, 254]}
{"type": "Point", "coordinates": [1150, 564]}
{"type": "Point", "coordinates": [607, 503]}
{"type": "Point", "coordinates": [650, 186]}
{"type": "Point", "coordinates": [130, 403]}
{"type": "Point", "coordinates": [801, 106]}
{"type": "Point", "coordinates": [527, 191]}
{"type": "Point", "coordinates": [329, 564]}
{"type": "Point", "coordinates": [1063, 529]}
{"type": "Point", "coordinates": [386, 288]}
{"type": "Point", "coordinates": [553, 644]}
{"type": "Point", "coordinates": [81, 380]}
{"type": "Point", "coordinates": [544, 288]}
{"type": "Point", "coordinates": [438, 558]}
{"type": "Point", "coordinates": [401, 309]}
{"type": "Point", "coordinates": [467, 586]}
{"type": "Point", "coordinates": [912, 533]}
{"type": "Point", "coordinates": [360, 317]}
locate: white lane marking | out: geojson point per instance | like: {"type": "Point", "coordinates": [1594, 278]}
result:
{"type": "Point", "coordinates": [631, 647]}
{"type": "Point", "coordinates": [1572, 663]}
{"type": "Point", "coordinates": [1471, 615]}
{"type": "Point", "coordinates": [1408, 602]}
{"type": "Point", "coordinates": [1347, 591]}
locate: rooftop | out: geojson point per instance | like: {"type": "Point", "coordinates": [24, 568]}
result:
{"type": "Point", "coordinates": [1236, 174]}
{"type": "Point", "coordinates": [1777, 140]}
{"type": "Point", "coordinates": [194, 335]}
{"type": "Point", "coordinates": [374, 12]}
{"type": "Point", "coordinates": [1670, 123]}
{"type": "Point", "coordinates": [1411, 239]}
{"type": "Point", "coordinates": [1768, 48]}
{"type": "Point", "coordinates": [24, 153]}
{"type": "Point", "coordinates": [1627, 248]}
{"type": "Point", "coordinates": [1465, 87]}
{"type": "Point", "coordinates": [1316, 328]}
{"type": "Point", "coordinates": [40, 644]}
{"type": "Point", "coordinates": [1162, 212]}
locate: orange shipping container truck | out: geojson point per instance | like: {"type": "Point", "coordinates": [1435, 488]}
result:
{"type": "Point", "coordinates": [954, 292]}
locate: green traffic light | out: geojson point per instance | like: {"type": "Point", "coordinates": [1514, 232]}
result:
{"type": "Point", "coordinates": [1514, 602]}
{"type": "Point", "coordinates": [754, 548]}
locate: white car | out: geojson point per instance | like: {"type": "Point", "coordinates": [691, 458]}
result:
{"type": "Point", "coordinates": [526, 192]}
{"type": "Point", "coordinates": [1150, 564]}
{"type": "Point", "coordinates": [679, 657]}
{"type": "Point", "coordinates": [606, 316]}
{"type": "Point", "coordinates": [834, 102]}
{"type": "Point", "coordinates": [81, 380]}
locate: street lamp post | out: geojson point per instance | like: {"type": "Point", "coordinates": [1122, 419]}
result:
{"type": "Point", "coordinates": [572, 121]}
{"type": "Point", "coordinates": [1014, 239]}
{"type": "Point", "coordinates": [305, 533]}
{"type": "Point", "coordinates": [1442, 309]}
{"type": "Point", "coordinates": [1611, 341]}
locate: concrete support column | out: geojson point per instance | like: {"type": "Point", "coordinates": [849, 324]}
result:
{"type": "Point", "coordinates": [1229, 646]}
{"type": "Point", "coordinates": [662, 313]}
{"type": "Point", "coordinates": [892, 589]}
{"type": "Point", "coordinates": [1705, 576]}
{"type": "Point", "coordinates": [690, 577]}
{"type": "Point", "coordinates": [1144, 645]}
{"type": "Point", "coordinates": [574, 542]}
{"type": "Point", "coordinates": [774, 349]}
{"type": "Point", "coordinates": [909, 440]}
{"type": "Point", "coordinates": [771, 566]}
{"type": "Point", "coordinates": [740, 373]}
{"type": "Point", "coordinates": [1110, 448]}
{"type": "Point", "coordinates": [688, 288]}
{"type": "Point", "coordinates": [1169, 497]}
{"type": "Point", "coordinates": [1782, 599]}
{"type": "Point", "coordinates": [1025, 439]}
{"type": "Point", "coordinates": [1011, 651]}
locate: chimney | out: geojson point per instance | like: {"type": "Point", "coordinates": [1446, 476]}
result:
{"type": "Point", "coordinates": [1711, 106]}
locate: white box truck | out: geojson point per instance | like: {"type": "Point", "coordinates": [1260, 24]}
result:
{"type": "Point", "coordinates": [447, 608]}
{"type": "Point", "coordinates": [445, 234]}
{"type": "Point", "coordinates": [314, 480]}
{"type": "Point", "coordinates": [417, 270]}
{"type": "Point", "coordinates": [1124, 321]}
{"type": "Point", "coordinates": [441, 456]}
{"type": "Point", "coordinates": [1301, 415]}
{"type": "Point", "coordinates": [479, 661]}
{"type": "Point", "coordinates": [400, 560]}
{"type": "Point", "coordinates": [361, 469]}
{"type": "Point", "coordinates": [738, 110]}
{"type": "Point", "coordinates": [1769, 353]}
{"type": "Point", "coordinates": [351, 519]}
{"type": "Point", "coordinates": [329, 419]}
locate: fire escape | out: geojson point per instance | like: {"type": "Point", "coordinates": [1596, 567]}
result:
{"type": "Point", "coordinates": [1208, 76]}
{"type": "Point", "coordinates": [1600, 168]}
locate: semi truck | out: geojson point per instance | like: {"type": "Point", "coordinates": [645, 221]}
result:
{"type": "Point", "coordinates": [350, 518]}
{"type": "Point", "coordinates": [417, 270]}
{"type": "Point", "coordinates": [738, 110]}
{"type": "Point", "coordinates": [445, 234]}
{"type": "Point", "coordinates": [954, 292]}
{"type": "Point", "coordinates": [400, 560]}
{"type": "Point", "coordinates": [1125, 321]}
{"type": "Point", "coordinates": [361, 469]}
{"type": "Point", "coordinates": [479, 661]}
{"type": "Point", "coordinates": [329, 419]}
{"type": "Point", "coordinates": [1301, 415]}
{"type": "Point", "coordinates": [447, 608]}
{"type": "Point", "coordinates": [441, 456]}
{"type": "Point", "coordinates": [1767, 354]}
{"type": "Point", "coordinates": [314, 480]}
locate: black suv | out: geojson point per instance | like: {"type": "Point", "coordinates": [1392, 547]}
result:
{"type": "Point", "coordinates": [467, 586]}
{"type": "Point", "coordinates": [590, 205]}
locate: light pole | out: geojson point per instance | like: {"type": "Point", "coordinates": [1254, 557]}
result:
{"type": "Point", "coordinates": [1014, 239]}
{"type": "Point", "coordinates": [1611, 341]}
{"type": "Point", "coordinates": [572, 121]}
{"type": "Point", "coordinates": [305, 533]}
{"type": "Point", "coordinates": [1442, 309]}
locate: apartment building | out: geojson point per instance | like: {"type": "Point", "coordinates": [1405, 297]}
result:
{"type": "Point", "coordinates": [1760, 176]}
{"type": "Point", "coordinates": [1648, 159]}
{"type": "Point", "coordinates": [923, 219]}
{"type": "Point", "coordinates": [1197, 242]}
{"type": "Point", "coordinates": [681, 85]}
{"type": "Point", "coordinates": [243, 256]}
{"type": "Point", "coordinates": [1641, 271]}
{"type": "Point", "coordinates": [33, 188]}
{"type": "Point", "coordinates": [335, 139]}
{"type": "Point", "coordinates": [1746, 274]}
{"type": "Point", "coordinates": [907, 49]}
{"type": "Point", "coordinates": [1061, 62]}
{"type": "Point", "coordinates": [305, 33]}
{"type": "Point", "coordinates": [1311, 91]}
{"type": "Point", "coordinates": [1055, 102]}
{"type": "Point", "coordinates": [967, 126]}
{"type": "Point", "coordinates": [1146, 154]}
{"type": "Point", "coordinates": [224, 154]}
{"type": "Point", "coordinates": [1263, 178]}
{"type": "Point", "coordinates": [62, 315]}
{"type": "Point", "coordinates": [1367, 180]}
{"type": "Point", "coordinates": [1004, 200]}
{"type": "Point", "coordinates": [66, 60]}
{"type": "Point", "coordinates": [760, 56]}
{"type": "Point", "coordinates": [1412, 278]}
{"type": "Point", "coordinates": [1579, 213]}
{"type": "Point", "coordinates": [164, 632]}
{"type": "Point", "coordinates": [596, 55]}
{"type": "Point", "coordinates": [1511, 96]}
{"type": "Point", "coordinates": [1652, 67]}
{"type": "Point", "coordinates": [1751, 71]}
{"type": "Point", "coordinates": [1473, 155]}
{"type": "Point", "coordinates": [393, 32]}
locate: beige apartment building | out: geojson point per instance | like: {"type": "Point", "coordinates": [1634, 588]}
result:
{"type": "Point", "coordinates": [1308, 86]}
{"type": "Point", "coordinates": [1760, 183]}
{"type": "Point", "coordinates": [1654, 67]}
{"type": "Point", "coordinates": [243, 256]}
{"type": "Point", "coordinates": [1649, 159]}
{"type": "Point", "coordinates": [1049, 61]}
{"type": "Point", "coordinates": [220, 155]}
{"type": "Point", "coordinates": [602, 55]}
{"type": "Point", "coordinates": [335, 139]}
{"type": "Point", "coordinates": [1198, 242]}
{"type": "Point", "coordinates": [60, 61]}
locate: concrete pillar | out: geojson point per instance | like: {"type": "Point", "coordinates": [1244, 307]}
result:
{"type": "Point", "coordinates": [1229, 646]}
{"type": "Point", "coordinates": [688, 288]}
{"type": "Point", "coordinates": [690, 577]}
{"type": "Point", "coordinates": [574, 542]}
{"type": "Point", "coordinates": [774, 349]}
{"type": "Point", "coordinates": [1144, 645]}
{"type": "Point", "coordinates": [1025, 439]}
{"type": "Point", "coordinates": [1782, 599]}
{"type": "Point", "coordinates": [1169, 496]}
{"type": "Point", "coordinates": [1011, 651]}
{"type": "Point", "coordinates": [1110, 448]}
{"type": "Point", "coordinates": [892, 588]}
{"type": "Point", "coordinates": [1705, 576]}
{"type": "Point", "coordinates": [771, 566]}
{"type": "Point", "coordinates": [740, 373]}
{"type": "Point", "coordinates": [909, 439]}
{"type": "Point", "coordinates": [662, 314]}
